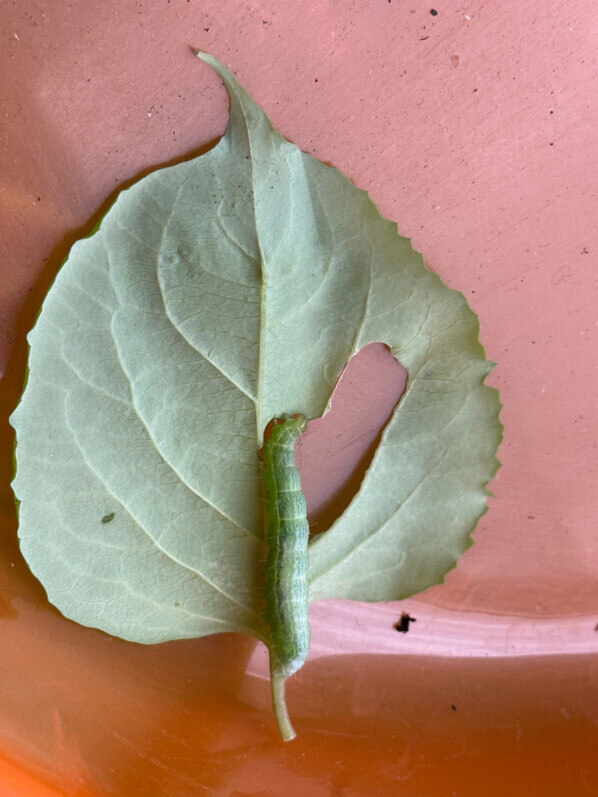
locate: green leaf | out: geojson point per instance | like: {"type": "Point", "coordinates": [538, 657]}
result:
{"type": "Point", "coordinates": [215, 295]}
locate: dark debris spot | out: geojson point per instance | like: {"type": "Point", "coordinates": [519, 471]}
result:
{"type": "Point", "coordinates": [402, 625]}
{"type": "Point", "coordinates": [453, 707]}
{"type": "Point", "coordinates": [433, 12]}
{"type": "Point", "coordinates": [108, 518]}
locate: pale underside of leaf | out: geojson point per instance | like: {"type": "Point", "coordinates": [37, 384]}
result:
{"type": "Point", "coordinates": [217, 294]}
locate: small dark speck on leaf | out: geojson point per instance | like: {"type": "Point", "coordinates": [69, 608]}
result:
{"type": "Point", "coordinates": [596, 627]}
{"type": "Point", "coordinates": [207, 30]}
{"type": "Point", "coordinates": [433, 12]}
{"type": "Point", "coordinates": [108, 518]}
{"type": "Point", "coordinates": [531, 517]}
{"type": "Point", "coordinates": [402, 625]}
{"type": "Point", "coordinates": [177, 603]}
{"type": "Point", "coordinates": [423, 38]}
{"type": "Point", "coordinates": [453, 706]}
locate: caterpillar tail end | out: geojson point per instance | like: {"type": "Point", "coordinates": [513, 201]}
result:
{"type": "Point", "coordinates": [279, 704]}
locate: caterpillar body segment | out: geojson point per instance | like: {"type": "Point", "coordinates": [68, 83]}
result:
{"type": "Point", "coordinates": [285, 583]}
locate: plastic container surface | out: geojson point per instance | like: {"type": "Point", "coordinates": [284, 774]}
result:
{"type": "Point", "coordinates": [471, 127]}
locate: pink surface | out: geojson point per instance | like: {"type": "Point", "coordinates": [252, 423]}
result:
{"type": "Point", "coordinates": [475, 130]}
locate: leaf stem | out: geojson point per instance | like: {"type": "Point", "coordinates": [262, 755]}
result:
{"type": "Point", "coordinates": [280, 707]}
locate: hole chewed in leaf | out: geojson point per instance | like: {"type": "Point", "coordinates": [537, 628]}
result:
{"type": "Point", "coordinates": [337, 449]}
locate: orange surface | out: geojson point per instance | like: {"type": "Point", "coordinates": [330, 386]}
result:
{"type": "Point", "coordinates": [474, 129]}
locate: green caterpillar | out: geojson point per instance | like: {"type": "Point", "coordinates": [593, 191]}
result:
{"type": "Point", "coordinates": [286, 586]}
